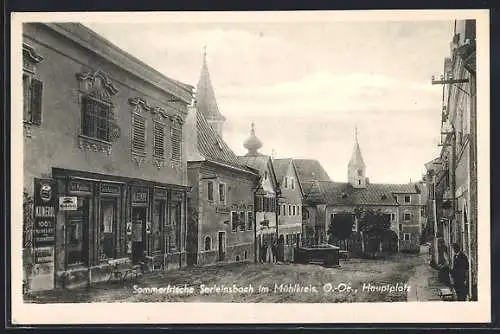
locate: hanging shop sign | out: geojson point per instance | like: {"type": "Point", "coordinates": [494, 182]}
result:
{"type": "Point", "coordinates": [68, 203]}
{"type": "Point", "coordinates": [44, 213]}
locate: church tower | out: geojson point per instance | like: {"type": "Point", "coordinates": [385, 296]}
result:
{"type": "Point", "coordinates": [205, 99]}
{"type": "Point", "coordinates": [252, 144]}
{"type": "Point", "coordinates": [356, 168]}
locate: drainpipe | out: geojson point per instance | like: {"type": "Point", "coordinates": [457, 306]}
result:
{"type": "Point", "coordinates": [434, 214]}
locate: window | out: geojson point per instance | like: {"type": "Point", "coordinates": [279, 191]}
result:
{"type": "Point", "coordinates": [210, 190]}
{"type": "Point", "coordinates": [234, 221]}
{"type": "Point", "coordinates": [407, 216]}
{"type": "Point", "coordinates": [360, 172]}
{"type": "Point", "coordinates": [331, 217]}
{"type": "Point", "coordinates": [400, 226]}
{"type": "Point", "coordinates": [265, 175]}
{"type": "Point", "coordinates": [407, 199]}
{"type": "Point", "coordinates": [406, 236]}
{"type": "Point", "coordinates": [249, 220]}
{"type": "Point", "coordinates": [393, 216]}
{"type": "Point", "coordinates": [359, 182]}
{"type": "Point", "coordinates": [292, 183]}
{"type": "Point", "coordinates": [96, 118]}
{"type": "Point", "coordinates": [222, 193]}
{"type": "Point", "coordinates": [32, 99]}
{"type": "Point", "coordinates": [286, 182]}
{"type": "Point", "coordinates": [294, 213]}
{"type": "Point", "coordinates": [208, 243]}
{"type": "Point", "coordinates": [354, 226]}
{"type": "Point", "coordinates": [284, 209]}
{"type": "Point", "coordinates": [32, 87]}
{"type": "Point", "coordinates": [242, 220]}
{"type": "Point", "coordinates": [279, 209]}
{"type": "Point", "coordinates": [159, 140]}
{"type": "Point", "coordinates": [77, 232]}
{"type": "Point", "coordinates": [289, 210]}
{"type": "Point", "coordinates": [176, 135]}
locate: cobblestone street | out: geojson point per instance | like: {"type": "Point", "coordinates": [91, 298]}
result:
{"type": "Point", "coordinates": [351, 276]}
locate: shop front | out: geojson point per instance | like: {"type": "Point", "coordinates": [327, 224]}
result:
{"type": "Point", "coordinates": [114, 221]}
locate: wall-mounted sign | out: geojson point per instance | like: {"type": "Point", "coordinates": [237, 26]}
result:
{"type": "Point", "coordinates": [44, 213]}
{"type": "Point", "coordinates": [44, 255]}
{"type": "Point", "coordinates": [108, 188]}
{"type": "Point", "coordinates": [140, 196]}
{"type": "Point", "coordinates": [80, 186]}
{"type": "Point", "coordinates": [68, 203]}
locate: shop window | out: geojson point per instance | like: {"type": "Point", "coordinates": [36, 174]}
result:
{"type": "Point", "coordinates": [174, 233]}
{"type": "Point", "coordinates": [77, 233]}
{"type": "Point", "coordinates": [158, 221]}
{"type": "Point", "coordinates": [159, 140]}
{"type": "Point", "coordinates": [249, 220]}
{"type": "Point", "coordinates": [242, 221]}
{"type": "Point", "coordinates": [107, 229]}
{"type": "Point", "coordinates": [222, 193]}
{"type": "Point", "coordinates": [210, 191]}
{"type": "Point", "coordinates": [234, 221]}
{"type": "Point", "coordinates": [208, 243]}
{"type": "Point", "coordinates": [176, 135]}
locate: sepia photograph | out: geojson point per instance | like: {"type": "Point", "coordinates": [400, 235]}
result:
{"type": "Point", "coordinates": [244, 167]}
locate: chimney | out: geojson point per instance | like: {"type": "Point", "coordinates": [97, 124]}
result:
{"type": "Point", "coordinates": [191, 135]}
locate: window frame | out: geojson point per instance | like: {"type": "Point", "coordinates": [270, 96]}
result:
{"type": "Point", "coordinates": [205, 243]}
{"type": "Point", "coordinates": [242, 224]}
{"type": "Point", "coordinates": [405, 215]}
{"type": "Point", "coordinates": [407, 197]}
{"type": "Point", "coordinates": [154, 135]}
{"type": "Point", "coordinates": [224, 187]}
{"type": "Point", "coordinates": [233, 229]}
{"type": "Point", "coordinates": [135, 117]}
{"type": "Point", "coordinates": [406, 234]}
{"type": "Point", "coordinates": [210, 193]}
{"type": "Point", "coordinates": [250, 220]}
{"type": "Point", "coordinates": [176, 129]}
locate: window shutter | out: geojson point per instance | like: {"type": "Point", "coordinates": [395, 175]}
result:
{"type": "Point", "coordinates": [138, 133]}
{"type": "Point", "coordinates": [176, 143]}
{"type": "Point", "coordinates": [36, 101]}
{"type": "Point", "coordinates": [159, 140]}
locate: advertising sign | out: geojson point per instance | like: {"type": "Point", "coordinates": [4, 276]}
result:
{"type": "Point", "coordinates": [68, 203]}
{"type": "Point", "coordinates": [44, 213]}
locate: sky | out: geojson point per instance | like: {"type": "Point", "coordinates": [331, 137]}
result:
{"type": "Point", "coordinates": [307, 85]}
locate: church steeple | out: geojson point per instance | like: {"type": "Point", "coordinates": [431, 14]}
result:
{"type": "Point", "coordinates": [356, 167]}
{"type": "Point", "coordinates": [206, 102]}
{"type": "Point", "coordinates": [252, 143]}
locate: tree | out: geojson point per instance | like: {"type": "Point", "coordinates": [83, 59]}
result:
{"type": "Point", "coordinates": [372, 225]}
{"type": "Point", "coordinates": [340, 227]}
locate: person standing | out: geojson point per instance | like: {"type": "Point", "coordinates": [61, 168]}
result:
{"type": "Point", "coordinates": [459, 273]}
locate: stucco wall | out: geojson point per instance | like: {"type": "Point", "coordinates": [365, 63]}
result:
{"type": "Point", "coordinates": [55, 142]}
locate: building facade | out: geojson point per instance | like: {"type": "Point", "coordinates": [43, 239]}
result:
{"type": "Point", "coordinates": [325, 199]}
{"type": "Point", "coordinates": [104, 158]}
{"type": "Point", "coordinates": [455, 171]}
{"type": "Point", "coordinates": [289, 205]}
{"type": "Point", "coordinates": [266, 205]}
{"type": "Point", "coordinates": [221, 224]}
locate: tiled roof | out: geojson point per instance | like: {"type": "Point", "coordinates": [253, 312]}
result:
{"type": "Point", "coordinates": [256, 162]}
{"type": "Point", "coordinates": [280, 167]}
{"type": "Point", "coordinates": [212, 146]}
{"type": "Point", "coordinates": [335, 193]}
{"type": "Point", "coordinates": [309, 169]}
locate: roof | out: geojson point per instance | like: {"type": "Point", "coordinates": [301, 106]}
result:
{"type": "Point", "coordinates": [213, 147]}
{"type": "Point", "coordinates": [91, 40]}
{"type": "Point", "coordinates": [309, 169]}
{"type": "Point", "coordinates": [281, 167]}
{"type": "Point", "coordinates": [356, 158]}
{"type": "Point", "coordinates": [336, 193]}
{"type": "Point", "coordinates": [259, 163]}
{"type": "Point", "coordinates": [205, 95]}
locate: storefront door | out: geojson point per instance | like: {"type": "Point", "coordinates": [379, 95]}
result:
{"type": "Point", "coordinates": [139, 215]}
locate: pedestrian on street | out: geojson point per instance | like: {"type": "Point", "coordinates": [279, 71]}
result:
{"type": "Point", "coordinates": [459, 273]}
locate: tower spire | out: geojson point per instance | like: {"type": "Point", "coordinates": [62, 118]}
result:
{"type": "Point", "coordinates": [356, 132]}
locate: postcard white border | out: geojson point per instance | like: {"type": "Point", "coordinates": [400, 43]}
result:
{"type": "Point", "coordinates": [198, 313]}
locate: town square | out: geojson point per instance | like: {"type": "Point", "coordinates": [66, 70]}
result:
{"type": "Point", "coordinates": [250, 162]}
